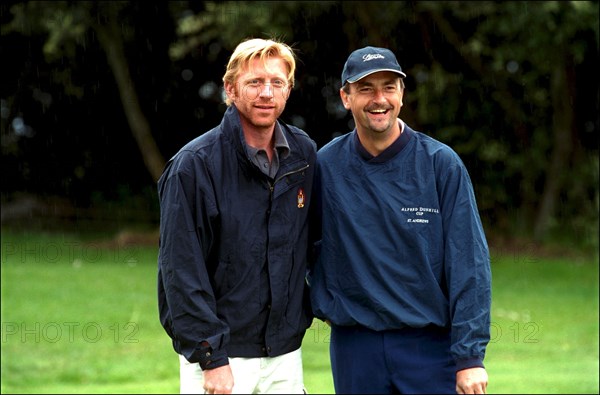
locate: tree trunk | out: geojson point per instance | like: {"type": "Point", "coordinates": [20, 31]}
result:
{"type": "Point", "coordinates": [113, 47]}
{"type": "Point", "coordinates": [562, 103]}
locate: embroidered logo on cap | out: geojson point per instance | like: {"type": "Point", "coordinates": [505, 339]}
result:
{"type": "Point", "coordinates": [372, 56]}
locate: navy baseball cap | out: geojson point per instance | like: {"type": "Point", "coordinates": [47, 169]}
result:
{"type": "Point", "coordinates": [369, 60]}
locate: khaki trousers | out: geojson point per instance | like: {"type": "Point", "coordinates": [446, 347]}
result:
{"type": "Point", "coordinates": [269, 375]}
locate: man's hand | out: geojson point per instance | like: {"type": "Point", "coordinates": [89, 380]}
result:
{"type": "Point", "coordinates": [218, 380]}
{"type": "Point", "coordinates": [471, 381]}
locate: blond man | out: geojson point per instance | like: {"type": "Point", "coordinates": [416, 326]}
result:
{"type": "Point", "coordinates": [233, 236]}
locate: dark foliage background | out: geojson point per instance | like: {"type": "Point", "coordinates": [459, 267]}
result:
{"type": "Point", "coordinates": [511, 86]}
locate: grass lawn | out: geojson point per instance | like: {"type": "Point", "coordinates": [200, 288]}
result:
{"type": "Point", "coordinates": [80, 316]}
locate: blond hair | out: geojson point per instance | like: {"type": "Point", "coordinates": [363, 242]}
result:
{"type": "Point", "coordinates": [251, 49]}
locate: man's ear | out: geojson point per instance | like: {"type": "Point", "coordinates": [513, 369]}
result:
{"type": "Point", "coordinates": [230, 91]}
{"type": "Point", "coordinates": [345, 99]}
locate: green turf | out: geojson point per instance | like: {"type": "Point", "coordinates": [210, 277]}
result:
{"type": "Point", "coordinates": [80, 316]}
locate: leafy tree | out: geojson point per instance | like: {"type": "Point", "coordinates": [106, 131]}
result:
{"type": "Point", "coordinates": [66, 25]}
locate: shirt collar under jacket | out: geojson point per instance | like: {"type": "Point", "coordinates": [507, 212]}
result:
{"type": "Point", "coordinates": [390, 151]}
{"type": "Point", "coordinates": [281, 144]}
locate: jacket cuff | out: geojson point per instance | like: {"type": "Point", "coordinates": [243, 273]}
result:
{"type": "Point", "coordinates": [468, 363]}
{"type": "Point", "coordinates": [213, 359]}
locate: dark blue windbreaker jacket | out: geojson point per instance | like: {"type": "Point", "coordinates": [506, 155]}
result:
{"type": "Point", "coordinates": [402, 242]}
{"type": "Point", "coordinates": [233, 245]}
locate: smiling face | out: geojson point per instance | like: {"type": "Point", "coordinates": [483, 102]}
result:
{"type": "Point", "coordinates": [375, 102]}
{"type": "Point", "coordinates": [260, 92]}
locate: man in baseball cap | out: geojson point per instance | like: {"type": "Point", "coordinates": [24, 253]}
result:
{"type": "Point", "coordinates": [403, 267]}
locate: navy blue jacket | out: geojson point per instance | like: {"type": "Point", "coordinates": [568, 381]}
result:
{"type": "Point", "coordinates": [402, 243]}
{"type": "Point", "coordinates": [233, 245]}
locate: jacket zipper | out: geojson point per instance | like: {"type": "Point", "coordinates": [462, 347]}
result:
{"type": "Point", "coordinates": [272, 185]}
{"type": "Point", "coordinates": [288, 173]}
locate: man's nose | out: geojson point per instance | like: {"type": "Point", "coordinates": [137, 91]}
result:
{"type": "Point", "coordinates": [379, 96]}
{"type": "Point", "coordinates": [266, 91]}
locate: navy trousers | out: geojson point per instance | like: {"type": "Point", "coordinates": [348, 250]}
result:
{"type": "Point", "coordinates": [405, 361]}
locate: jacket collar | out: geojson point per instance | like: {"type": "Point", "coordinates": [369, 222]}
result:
{"type": "Point", "coordinates": [231, 127]}
{"type": "Point", "coordinates": [390, 151]}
